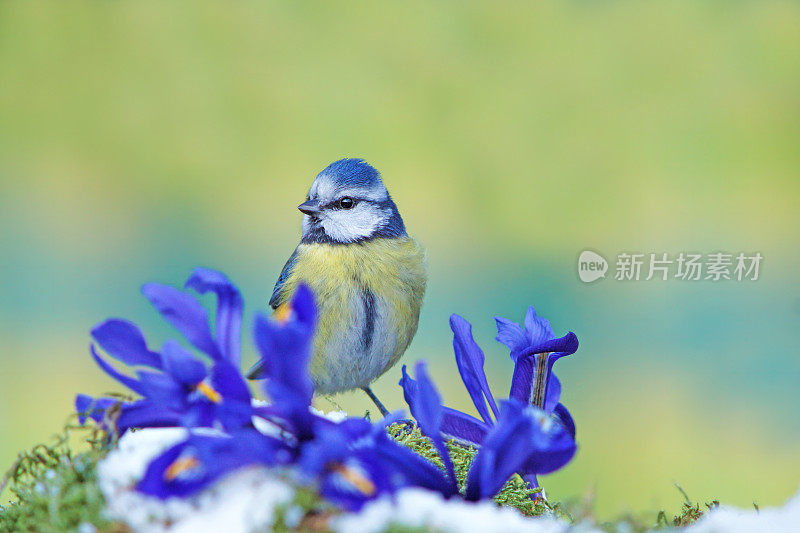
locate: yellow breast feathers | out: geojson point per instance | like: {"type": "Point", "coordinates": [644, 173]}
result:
{"type": "Point", "coordinates": [391, 272]}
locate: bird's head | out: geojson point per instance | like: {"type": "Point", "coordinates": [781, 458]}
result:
{"type": "Point", "coordinates": [348, 203]}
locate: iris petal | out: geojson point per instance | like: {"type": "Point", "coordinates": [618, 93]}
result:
{"type": "Point", "coordinates": [522, 378]}
{"type": "Point", "coordinates": [511, 334]}
{"type": "Point", "coordinates": [505, 450]}
{"type": "Point", "coordinates": [181, 364]}
{"type": "Point", "coordinates": [128, 381]}
{"type": "Point", "coordinates": [524, 369]}
{"type": "Point", "coordinates": [537, 329]}
{"type": "Point", "coordinates": [561, 346]}
{"type": "Point", "coordinates": [236, 408]}
{"type": "Point", "coordinates": [565, 418]}
{"type": "Point", "coordinates": [553, 394]}
{"type": "Point", "coordinates": [229, 309]}
{"type": "Point", "coordinates": [359, 479]}
{"type": "Point", "coordinates": [462, 427]}
{"type": "Point", "coordinates": [275, 337]}
{"type": "Point", "coordinates": [428, 412]}
{"type": "Point", "coordinates": [525, 440]}
{"type": "Point", "coordinates": [123, 341]}
{"type": "Point", "coordinates": [163, 389]}
{"type": "Point", "coordinates": [558, 452]}
{"type": "Point", "coordinates": [146, 414]}
{"type": "Point", "coordinates": [287, 348]}
{"type": "Point", "coordinates": [207, 458]}
{"type": "Point", "coordinates": [409, 389]}
{"type": "Point", "coordinates": [185, 313]}
{"type": "Point", "coordinates": [414, 469]}
{"type": "Point", "coordinates": [94, 408]}
{"type": "Point", "coordinates": [470, 360]}
{"type": "Point", "coordinates": [229, 383]}
{"type": "Point", "coordinates": [304, 306]}
{"type": "Point", "coordinates": [566, 345]}
{"type": "Point", "coordinates": [176, 390]}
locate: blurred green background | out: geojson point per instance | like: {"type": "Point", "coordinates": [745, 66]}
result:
{"type": "Point", "coordinates": [138, 140]}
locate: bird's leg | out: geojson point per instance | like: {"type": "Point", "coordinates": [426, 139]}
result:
{"type": "Point", "coordinates": [375, 399]}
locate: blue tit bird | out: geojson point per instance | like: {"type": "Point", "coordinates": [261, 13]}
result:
{"type": "Point", "coordinates": [367, 274]}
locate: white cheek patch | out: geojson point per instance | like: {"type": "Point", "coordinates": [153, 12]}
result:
{"type": "Point", "coordinates": [349, 225]}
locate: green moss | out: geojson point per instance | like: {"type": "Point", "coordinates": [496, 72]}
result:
{"type": "Point", "coordinates": [690, 512]}
{"type": "Point", "coordinates": [53, 489]}
{"type": "Point", "coordinates": [399, 528]}
{"type": "Point", "coordinates": [306, 512]}
{"type": "Point", "coordinates": [515, 493]}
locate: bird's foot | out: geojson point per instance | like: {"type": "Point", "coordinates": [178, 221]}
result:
{"type": "Point", "coordinates": [375, 399]}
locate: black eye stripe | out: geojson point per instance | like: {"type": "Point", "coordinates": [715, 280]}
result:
{"type": "Point", "coordinates": [336, 204]}
{"type": "Point", "coordinates": [345, 202]}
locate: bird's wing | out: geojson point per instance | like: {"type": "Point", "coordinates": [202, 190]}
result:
{"type": "Point", "coordinates": [282, 306]}
{"type": "Point", "coordinates": [278, 294]}
{"type": "Point", "coordinates": [279, 297]}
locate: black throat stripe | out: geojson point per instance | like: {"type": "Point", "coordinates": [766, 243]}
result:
{"type": "Point", "coordinates": [369, 318]}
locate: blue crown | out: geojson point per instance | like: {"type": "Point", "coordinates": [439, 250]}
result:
{"type": "Point", "coordinates": [353, 172]}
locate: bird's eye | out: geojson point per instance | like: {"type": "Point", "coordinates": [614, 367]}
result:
{"type": "Point", "coordinates": [346, 203]}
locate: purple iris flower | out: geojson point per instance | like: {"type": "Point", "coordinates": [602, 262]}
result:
{"type": "Point", "coordinates": [198, 461]}
{"type": "Point", "coordinates": [524, 438]}
{"type": "Point", "coordinates": [534, 349]}
{"type": "Point", "coordinates": [426, 408]}
{"type": "Point", "coordinates": [342, 459]}
{"type": "Point", "coordinates": [346, 474]}
{"type": "Point", "coordinates": [356, 461]}
{"type": "Point", "coordinates": [285, 349]}
{"type": "Point", "coordinates": [177, 387]}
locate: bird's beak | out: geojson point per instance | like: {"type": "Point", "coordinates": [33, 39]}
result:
{"type": "Point", "coordinates": [309, 207]}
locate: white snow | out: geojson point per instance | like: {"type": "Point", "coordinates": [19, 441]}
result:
{"type": "Point", "coordinates": [242, 502]}
{"type": "Point", "coordinates": [268, 428]}
{"type": "Point", "coordinates": [422, 508]}
{"type": "Point", "coordinates": [333, 416]}
{"type": "Point", "coordinates": [239, 503]}
{"type": "Point", "coordinates": [731, 520]}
